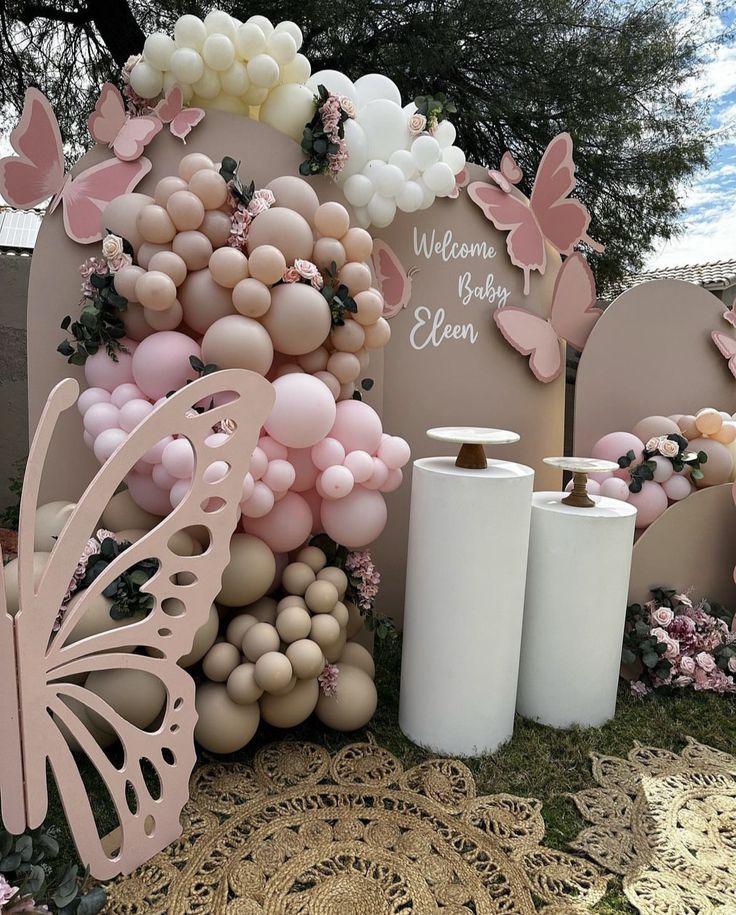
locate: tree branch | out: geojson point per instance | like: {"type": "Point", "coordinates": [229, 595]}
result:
{"type": "Point", "coordinates": [33, 11]}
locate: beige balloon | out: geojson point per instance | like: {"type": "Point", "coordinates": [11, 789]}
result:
{"type": "Point", "coordinates": [353, 703]}
{"type": "Point", "coordinates": [97, 618]}
{"type": "Point", "coordinates": [341, 614]}
{"type": "Point", "coordinates": [321, 596]}
{"type": "Point", "coordinates": [121, 215]}
{"type": "Point", "coordinates": [223, 726]}
{"type": "Point", "coordinates": [306, 658]}
{"type": "Point", "coordinates": [80, 711]}
{"type": "Point", "coordinates": [290, 710]}
{"type": "Point", "coordinates": [10, 573]}
{"type": "Point", "coordinates": [50, 519]}
{"type": "Point", "coordinates": [355, 620]}
{"type": "Point", "coordinates": [299, 318]}
{"type": "Point", "coordinates": [296, 194]}
{"type": "Point", "coordinates": [358, 656]}
{"type": "Point", "coordinates": [332, 652]}
{"type": "Point", "coordinates": [259, 640]}
{"type": "Point", "coordinates": [286, 230]}
{"type": "Point", "coordinates": [285, 689]}
{"type": "Point", "coordinates": [250, 572]}
{"type": "Point", "coordinates": [273, 671]}
{"type": "Point", "coordinates": [135, 695]}
{"type": "Point", "coordinates": [336, 577]}
{"type": "Point", "coordinates": [204, 639]}
{"type": "Point", "coordinates": [237, 342]}
{"type": "Point", "coordinates": [291, 600]}
{"type": "Point", "coordinates": [294, 623]}
{"type": "Point", "coordinates": [297, 577]}
{"type": "Point", "coordinates": [220, 661]}
{"type": "Point", "coordinates": [651, 426]}
{"type": "Point", "coordinates": [123, 513]}
{"type": "Point", "coordinates": [241, 684]}
{"type": "Point", "coordinates": [264, 610]}
{"type": "Point", "coordinates": [313, 557]}
{"type": "Point", "coordinates": [238, 626]}
{"type": "Point", "coordinates": [325, 631]}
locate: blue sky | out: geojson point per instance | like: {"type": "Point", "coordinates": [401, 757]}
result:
{"type": "Point", "coordinates": [709, 222]}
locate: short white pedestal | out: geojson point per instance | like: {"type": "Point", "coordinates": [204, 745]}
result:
{"type": "Point", "coordinates": [466, 571]}
{"type": "Point", "coordinates": [575, 609]}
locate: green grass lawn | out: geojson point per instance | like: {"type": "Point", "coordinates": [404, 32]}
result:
{"type": "Point", "coordinates": [538, 762]}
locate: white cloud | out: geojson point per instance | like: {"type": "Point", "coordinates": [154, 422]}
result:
{"type": "Point", "coordinates": [710, 238]}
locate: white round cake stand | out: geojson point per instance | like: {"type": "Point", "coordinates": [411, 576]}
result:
{"type": "Point", "coordinates": [466, 571]}
{"type": "Point", "coordinates": [575, 606]}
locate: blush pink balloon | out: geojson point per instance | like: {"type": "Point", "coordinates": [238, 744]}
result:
{"type": "Point", "coordinates": [179, 492]}
{"type": "Point", "coordinates": [286, 526]}
{"type": "Point", "coordinates": [125, 392]}
{"type": "Point", "coordinates": [394, 452]}
{"type": "Point", "coordinates": [305, 471]}
{"type": "Point", "coordinates": [613, 488]}
{"type": "Point", "coordinates": [161, 362]}
{"type": "Point", "coordinates": [615, 445]}
{"type": "Point", "coordinates": [178, 459]}
{"type": "Point", "coordinates": [336, 482]}
{"type": "Point", "coordinates": [215, 471]}
{"type": "Point", "coordinates": [134, 412]}
{"type": "Point", "coordinates": [162, 478]}
{"type": "Point", "coordinates": [260, 503]}
{"type": "Point", "coordinates": [357, 426]}
{"type": "Point", "coordinates": [272, 449]}
{"type": "Point", "coordinates": [649, 503]}
{"type": "Point", "coordinates": [327, 452]}
{"type": "Point", "coordinates": [314, 501]}
{"type": "Point", "coordinates": [677, 487]}
{"type": "Point", "coordinates": [107, 442]}
{"type": "Point", "coordinates": [249, 484]}
{"type": "Point", "coordinates": [592, 487]}
{"type": "Point", "coordinates": [155, 452]}
{"type": "Point", "coordinates": [100, 371]}
{"type": "Point", "coordinates": [393, 480]}
{"type": "Point", "coordinates": [360, 464]}
{"type": "Point", "coordinates": [378, 476]}
{"type": "Point", "coordinates": [88, 440]}
{"type": "Point", "coordinates": [664, 468]}
{"type": "Point", "coordinates": [144, 492]}
{"type": "Point", "coordinates": [303, 411]}
{"type": "Point", "coordinates": [279, 476]}
{"type": "Point", "coordinates": [92, 396]}
{"type": "Point", "coordinates": [101, 416]}
{"type": "Point", "coordinates": [356, 520]}
{"type": "Point", "coordinates": [258, 463]}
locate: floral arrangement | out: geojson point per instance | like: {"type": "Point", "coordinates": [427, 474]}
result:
{"type": "Point", "coordinates": [672, 641]}
{"type": "Point", "coordinates": [672, 447]}
{"type": "Point", "coordinates": [135, 104]}
{"type": "Point", "coordinates": [304, 272]}
{"type": "Point", "coordinates": [99, 322]}
{"type": "Point", "coordinates": [328, 679]}
{"type": "Point", "coordinates": [246, 202]}
{"type": "Point", "coordinates": [431, 110]}
{"type": "Point", "coordinates": [323, 140]}
{"type": "Point", "coordinates": [30, 879]}
{"type": "Point", "coordinates": [337, 295]}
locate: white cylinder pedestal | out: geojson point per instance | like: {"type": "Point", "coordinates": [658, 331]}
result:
{"type": "Point", "coordinates": [575, 610]}
{"type": "Point", "coordinates": [466, 571]}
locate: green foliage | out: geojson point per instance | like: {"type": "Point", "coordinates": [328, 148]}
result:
{"type": "Point", "coordinates": [10, 515]}
{"type": "Point", "coordinates": [31, 863]}
{"type": "Point", "coordinates": [124, 591]}
{"type": "Point", "coordinates": [229, 171]}
{"type": "Point", "coordinates": [435, 108]}
{"type": "Point", "coordinates": [337, 296]}
{"type": "Point", "coordinates": [644, 470]}
{"type": "Point", "coordinates": [99, 323]}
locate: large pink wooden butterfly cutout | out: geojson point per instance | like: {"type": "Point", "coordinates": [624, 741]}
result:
{"type": "Point", "coordinates": [172, 112]}
{"type": "Point", "coordinates": [43, 673]}
{"type": "Point", "coordinates": [726, 344]}
{"type": "Point", "coordinates": [393, 280]}
{"type": "Point", "coordinates": [549, 215]}
{"type": "Point", "coordinates": [37, 173]}
{"type": "Point", "coordinates": [111, 124]}
{"type": "Point", "coordinates": [572, 317]}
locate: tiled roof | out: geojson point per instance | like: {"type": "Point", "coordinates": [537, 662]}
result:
{"type": "Point", "coordinates": [18, 229]}
{"type": "Point", "coordinates": [714, 275]}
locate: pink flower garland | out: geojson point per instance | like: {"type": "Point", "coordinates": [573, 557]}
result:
{"type": "Point", "coordinates": [328, 679]}
{"type": "Point", "coordinates": [360, 566]}
{"type": "Point", "coordinates": [91, 548]}
{"type": "Point", "coordinates": [243, 215]}
{"type": "Point", "coordinates": [330, 115]}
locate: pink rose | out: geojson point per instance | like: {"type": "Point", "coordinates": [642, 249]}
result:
{"type": "Point", "coordinates": [117, 263]}
{"type": "Point", "coordinates": [673, 649]}
{"type": "Point", "coordinates": [687, 665]}
{"type": "Point", "coordinates": [668, 448]}
{"type": "Point", "coordinates": [682, 681]}
{"type": "Point", "coordinates": [639, 689]}
{"type": "Point", "coordinates": [660, 634]}
{"type": "Point", "coordinates": [662, 616]}
{"type": "Point", "coordinates": [347, 106]}
{"type": "Point", "coordinates": [705, 662]}
{"type": "Point", "coordinates": [291, 275]}
{"type": "Point", "coordinates": [262, 200]}
{"type": "Point", "coordinates": [732, 665]}
{"type": "Point", "coordinates": [417, 124]}
{"type": "Point", "coordinates": [653, 443]}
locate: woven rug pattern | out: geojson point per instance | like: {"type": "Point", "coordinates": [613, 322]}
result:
{"type": "Point", "coordinates": [666, 823]}
{"type": "Point", "coordinates": [300, 832]}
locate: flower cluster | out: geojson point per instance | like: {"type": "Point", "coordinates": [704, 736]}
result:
{"type": "Point", "coordinates": [91, 548]}
{"type": "Point", "coordinates": [114, 257]}
{"type": "Point", "coordinates": [672, 641]}
{"type": "Point", "coordinates": [673, 447]}
{"type": "Point", "coordinates": [430, 111]}
{"type": "Point", "coordinates": [364, 576]}
{"type": "Point", "coordinates": [135, 104]}
{"type": "Point", "coordinates": [246, 203]}
{"type": "Point", "coordinates": [323, 140]}
{"type": "Point", "coordinates": [304, 271]}
{"type": "Point", "coordinates": [328, 679]}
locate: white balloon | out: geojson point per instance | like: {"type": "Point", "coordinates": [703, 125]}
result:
{"type": "Point", "coordinates": [250, 40]}
{"type": "Point", "coordinates": [282, 47]}
{"type": "Point", "coordinates": [371, 170]}
{"type": "Point", "coordinates": [208, 85]}
{"type": "Point", "coordinates": [297, 71]}
{"type": "Point", "coordinates": [235, 79]}
{"type": "Point", "coordinates": [288, 108]}
{"type": "Point", "coordinates": [333, 81]}
{"type": "Point", "coordinates": [218, 52]}
{"type": "Point", "coordinates": [426, 151]}
{"type": "Point", "coordinates": [158, 49]}
{"type": "Point", "coordinates": [190, 32]}
{"type": "Point", "coordinates": [358, 190]}
{"type": "Point", "coordinates": [255, 96]}
{"type": "Point", "coordinates": [390, 180]}
{"type": "Point", "coordinates": [146, 80]}
{"type": "Point", "coordinates": [264, 24]}
{"type": "Point", "coordinates": [385, 127]}
{"type": "Point", "coordinates": [409, 110]}
{"type": "Point", "coordinates": [381, 210]}
{"type": "Point", "coordinates": [439, 178]}
{"type": "Point", "coordinates": [375, 86]}
{"type": "Point", "coordinates": [427, 195]}
{"type": "Point", "coordinates": [186, 65]}
{"type": "Point", "coordinates": [356, 143]}
{"type": "Point", "coordinates": [455, 158]}
{"type": "Point", "coordinates": [404, 160]}
{"type": "Point", "coordinates": [410, 198]}
{"type": "Point", "coordinates": [263, 71]}
{"type": "Point", "coordinates": [219, 22]}
{"type": "Point", "coordinates": [291, 28]}
{"type": "Point", "coordinates": [362, 218]}
{"type": "Point", "coordinates": [445, 134]}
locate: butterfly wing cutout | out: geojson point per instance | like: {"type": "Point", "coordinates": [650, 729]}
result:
{"type": "Point", "coordinates": [172, 112]}
{"type": "Point", "coordinates": [730, 316]}
{"type": "Point", "coordinates": [524, 242]}
{"type": "Point", "coordinates": [727, 347]}
{"type": "Point", "coordinates": [462, 179]}
{"type": "Point", "coordinates": [507, 174]}
{"type": "Point", "coordinates": [393, 280]}
{"type": "Point", "coordinates": [573, 313]}
{"type": "Point", "coordinates": [563, 222]}
{"type": "Point", "coordinates": [37, 171]}
{"type": "Point", "coordinates": [110, 124]}
{"type": "Point", "coordinates": [52, 669]}
{"type": "Point", "coordinates": [531, 336]}
{"type": "Point", "coordinates": [12, 806]}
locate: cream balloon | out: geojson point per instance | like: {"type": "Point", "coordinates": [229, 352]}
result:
{"type": "Point", "coordinates": [241, 685]}
{"type": "Point", "coordinates": [354, 702]}
{"type": "Point", "coordinates": [48, 523]}
{"type": "Point", "coordinates": [250, 572]}
{"type": "Point", "coordinates": [287, 109]}
{"type": "Point", "coordinates": [291, 709]}
{"type": "Point", "coordinates": [204, 639]}
{"type": "Point", "coordinates": [10, 573]}
{"type": "Point", "coordinates": [97, 619]}
{"type": "Point", "coordinates": [136, 695]}
{"type": "Point", "coordinates": [223, 726]}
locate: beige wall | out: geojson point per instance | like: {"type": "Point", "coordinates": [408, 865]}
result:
{"type": "Point", "coordinates": [14, 272]}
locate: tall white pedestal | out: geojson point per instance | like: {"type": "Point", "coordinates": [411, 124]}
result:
{"type": "Point", "coordinates": [575, 609]}
{"type": "Point", "coordinates": [466, 570]}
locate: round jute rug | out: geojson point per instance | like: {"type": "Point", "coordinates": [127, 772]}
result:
{"type": "Point", "coordinates": [666, 822]}
{"type": "Point", "coordinates": [301, 832]}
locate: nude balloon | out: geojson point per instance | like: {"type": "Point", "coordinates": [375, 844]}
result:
{"type": "Point", "coordinates": [210, 187]}
{"type": "Point", "coordinates": [299, 318]}
{"type": "Point", "coordinates": [286, 229]}
{"type": "Point", "coordinates": [358, 244]}
{"type": "Point", "coordinates": [161, 363]}
{"type": "Point", "coordinates": [356, 520]}
{"type": "Point", "coordinates": [296, 194]}
{"type": "Point", "coordinates": [125, 281]}
{"type": "Point", "coordinates": [166, 187]}
{"type": "Point", "coordinates": [237, 342]}
{"type": "Point", "coordinates": [120, 217]}
{"type": "Point", "coordinates": [719, 466]}
{"type": "Point", "coordinates": [228, 266]}
{"type": "Point", "coordinates": [204, 301]}
{"type": "Point", "coordinates": [303, 412]}
{"type": "Point", "coordinates": [251, 297]}
{"type": "Point", "coordinates": [216, 227]}
{"type": "Point", "coordinates": [155, 225]}
{"type": "Point", "coordinates": [266, 263]}
{"type": "Point", "coordinates": [169, 263]}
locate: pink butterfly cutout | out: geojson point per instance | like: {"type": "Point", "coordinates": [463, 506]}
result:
{"type": "Point", "coordinates": [727, 346]}
{"type": "Point", "coordinates": [172, 112]}
{"type": "Point", "coordinates": [548, 215]}
{"type": "Point", "coordinates": [572, 317]}
{"type": "Point", "coordinates": [730, 315]}
{"type": "Point", "coordinates": [462, 178]}
{"type": "Point", "coordinates": [393, 281]}
{"type": "Point", "coordinates": [111, 124]}
{"type": "Point", "coordinates": [37, 173]}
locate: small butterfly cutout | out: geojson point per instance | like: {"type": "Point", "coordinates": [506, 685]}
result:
{"type": "Point", "coordinates": [726, 344]}
{"type": "Point", "coordinates": [171, 111]}
{"type": "Point", "coordinates": [111, 124]}
{"type": "Point", "coordinates": [393, 280]}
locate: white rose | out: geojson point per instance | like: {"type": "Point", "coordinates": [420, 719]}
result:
{"type": "Point", "coordinates": [417, 124]}
{"type": "Point", "coordinates": [112, 247]}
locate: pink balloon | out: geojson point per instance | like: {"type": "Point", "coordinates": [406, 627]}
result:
{"type": "Point", "coordinates": [215, 471]}
{"type": "Point", "coordinates": [393, 480]}
{"type": "Point", "coordinates": [279, 476]}
{"type": "Point", "coordinates": [88, 440]}
{"type": "Point", "coordinates": [144, 492]}
{"type": "Point", "coordinates": [161, 362]}
{"type": "Point", "coordinates": [356, 520]}
{"type": "Point", "coordinates": [677, 487]}
{"type": "Point", "coordinates": [336, 482]}
{"type": "Point", "coordinates": [615, 445]}
{"type": "Point", "coordinates": [91, 396]}
{"type": "Point", "coordinates": [162, 478]}
{"type": "Point", "coordinates": [178, 459]}
{"type": "Point", "coordinates": [305, 471]}
{"type": "Point", "coordinates": [613, 488]}
{"type": "Point", "coordinates": [286, 526]}
{"type": "Point", "coordinates": [360, 464]}
{"type": "Point", "coordinates": [258, 463]}
{"type": "Point", "coordinates": [125, 392]}
{"type": "Point", "coordinates": [101, 416]}
{"type": "Point", "coordinates": [106, 442]}
{"type": "Point", "coordinates": [101, 371]}
{"type": "Point", "coordinates": [600, 477]}
{"type": "Point", "coordinates": [649, 503]}
{"type": "Point", "coordinates": [592, 487]}
{"type": "Point", "coordinates": [272, 449]}
{"type": "Point", "coordinates": [260, 503]}
{"type": "Point", "coordinates": [179, 492]}
{"type": "Point", "coordinates": [379, 475]}
{"type": "Point", "coordinates": [134, 412]}
{"type": "Point", "coordinates": [327, 452]}
{"type": "Point", "coordinates": [155, 452]}
{"type": "Point", "coordinates": [394, 452]}
{"type": "Point", "coordinates": [664, 468]}
{"type": "Point", "coordinates": [303, 412]}
{"type": "Point", "coordinates": [357, 426]}
{"type": "Point", "coordinates": [314, 501]}
{"type": "Point", "coordinates": [249, 484]}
